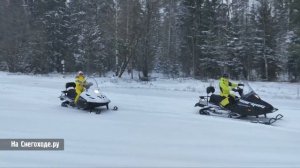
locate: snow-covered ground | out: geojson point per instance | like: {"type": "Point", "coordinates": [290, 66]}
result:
{"type": "Point", "coordinates": [156, 126]}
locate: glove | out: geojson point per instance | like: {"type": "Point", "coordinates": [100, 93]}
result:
{"type": "Point", "coordinates": [240, 84]}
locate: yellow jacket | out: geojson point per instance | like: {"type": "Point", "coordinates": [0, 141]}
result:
{"type": "Point", "coordinates": [226, 86]}
{"type": "Point", "coordinates": [80, 83]}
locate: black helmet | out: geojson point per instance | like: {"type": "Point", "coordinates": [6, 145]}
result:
{"type": "Point", "coordinates": [225, 75]}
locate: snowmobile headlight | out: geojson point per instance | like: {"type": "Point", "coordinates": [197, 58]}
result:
{"type": "Point", "coordinates": [96, 91]}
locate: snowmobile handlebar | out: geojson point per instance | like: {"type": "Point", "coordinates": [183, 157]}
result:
{"type": "Point", "coordinates": [235, 89]}
{"type": "Point", "coordinates": [239, 90]}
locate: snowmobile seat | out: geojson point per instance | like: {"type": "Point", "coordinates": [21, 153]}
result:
{"type": "Point", "coordinates": [70, 91]}
{"type": "Point", "coordinates": [70, 84]}
{"type": "Point", "coordinates": [215, 99]}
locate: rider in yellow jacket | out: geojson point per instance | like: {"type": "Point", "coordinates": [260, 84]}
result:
{"type": "Point", "coordinates": [80, 84]}
{"type": "Point", "coordinates": [225, 87]}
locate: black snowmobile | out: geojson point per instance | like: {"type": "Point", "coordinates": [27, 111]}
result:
{"type": "Point", "coordinates": [90, 99]}
{"type": "Point", "coordinates": [248, 106]}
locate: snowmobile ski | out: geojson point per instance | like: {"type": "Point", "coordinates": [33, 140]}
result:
{"type": "Point", "coordinates": [232, 115]}
{"type": "Point", "coordinates": [268, 121]}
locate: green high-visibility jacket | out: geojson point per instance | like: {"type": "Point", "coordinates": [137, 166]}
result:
{"type": "Point", "coordinates": [226, 86]}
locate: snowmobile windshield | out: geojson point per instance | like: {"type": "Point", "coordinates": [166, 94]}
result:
{"type": "Point", "coordinates": [248, 91]}
{"type": "Point", "coordinates": [247, 88]}
{"type": "Point", "coordinates": [92, 84]}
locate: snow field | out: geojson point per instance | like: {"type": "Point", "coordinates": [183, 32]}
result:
{"type": "Point", "coordinates": [156, 126]}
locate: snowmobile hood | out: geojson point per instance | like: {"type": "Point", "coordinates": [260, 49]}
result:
{"type": "Point", "coordinates": [255, 101]}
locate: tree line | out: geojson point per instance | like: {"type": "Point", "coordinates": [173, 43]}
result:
{"type": "Point", "coordinates": [252, 39]}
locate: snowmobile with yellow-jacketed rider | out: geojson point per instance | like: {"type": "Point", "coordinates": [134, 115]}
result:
{"type": "Point", "coordinates": [91, 99]}
{"type": "Point", "coordinates": [247, 107]}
